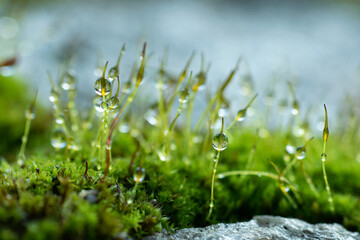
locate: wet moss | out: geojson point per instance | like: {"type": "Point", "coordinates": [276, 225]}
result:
{"type": "Point", "coordinates": [60, 194]}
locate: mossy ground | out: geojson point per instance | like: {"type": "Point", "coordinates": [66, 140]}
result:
{"type": "Point", "coordinates": [51, 197]}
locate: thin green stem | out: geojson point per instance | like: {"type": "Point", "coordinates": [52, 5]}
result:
{"type": "Point", "coordinates": [330, 199]}
{"type": "Point", "coordinates": [24, 139]}
{"type": "Point", "coordinates": [323, 159]}
{"type": "Point", "coordinates": [257, 173]}
{"type": "Point", "coordinates": [216, 160]}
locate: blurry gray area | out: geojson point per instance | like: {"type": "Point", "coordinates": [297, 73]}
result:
{"type": "Point", "coordinates": [263, 227]}
{"type": "Point", "coordinates": [315, 44]}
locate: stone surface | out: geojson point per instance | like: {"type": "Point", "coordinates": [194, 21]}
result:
{"type": "Point", "coordinates": [263, 228]}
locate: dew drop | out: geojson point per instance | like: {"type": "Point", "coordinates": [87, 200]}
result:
{"type": "Point", "coordinates": [184, 96]}
{"type": "Point", "coordinates": [53, 96]}
{"type": "Point", "coordinates": [247, 86]}
{"type": "Point", "coordinates": [126, 88]}
{"type": "Point", "coordinates": [150, 117]}
{"type": "Point", "coordinates": [221, 176]}
{"type": "Point", "coordinates": [300, 153]}
{"type": "Point", "coordinates": [161, 86]}
{"type": "Point", "coordinates": [60, 119]}
{"type": "Point", "coordinates": [113, 72]}
{"type": "Point", "coordinates": [286, 157]}
{"type": "Point", "coordinates": [287, 189]}
{"type": "Point", "coordinates": [29, 114]}
{"type": "Point", "coordinates": [298, 131]}
{"type": "Point", "coordinates": [200, 84]}
{"type": "Point", "coordinates": [73, 145]}
{"type": "Point", "coordinates": [113, 102]}
{"type": "Point", "coordinates": [323, 157]}
{"type": "Point", "coordinates": [99, 105]}
{"type": "Point", "coordinates": [102, 87]}
{"type": "Point", "coordinates": [130, 200]}
{"type": "Point", "coordinates": [223, 112]}
{"type": "Point", "coordinates": [295, 108]}
{"type": "Point", "coordinates": [68, 83]}
{"type": "Point", "coordinates": [240, 116]}
{"type": "Point", "coordinates": [163, 156]}
{"type": "Point", "coordinates": [58, 139]}
{"type": "Point", "coordinates": [264, 133]}
{"type": "Point", "coordinates": [139, 174]}
{"type": "Point", "coordinates": [290, 149]}
{"type": "Point", "coordinates": [124, 128]}
{"type": "Point", "coordinates": [220, 141]}
{"type": "Point", "coordinates": [20, 162]}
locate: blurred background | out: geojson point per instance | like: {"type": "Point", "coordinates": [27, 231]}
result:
{"type": "Point", "coordinates": [313, 43]}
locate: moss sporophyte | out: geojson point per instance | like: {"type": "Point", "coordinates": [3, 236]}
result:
{"type": "Point", "coordinates": [132, 166]}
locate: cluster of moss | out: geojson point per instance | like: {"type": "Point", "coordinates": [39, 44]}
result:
{"type": "Point", "coordinates": [64, 194]}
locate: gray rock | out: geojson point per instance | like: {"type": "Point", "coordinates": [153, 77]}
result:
{"type": "Point", "coordinates": [263, 228]}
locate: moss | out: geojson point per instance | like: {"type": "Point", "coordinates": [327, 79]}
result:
{"type": "Point", "coordinates": [60, 194]}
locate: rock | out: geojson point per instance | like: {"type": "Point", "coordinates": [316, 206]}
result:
{"type": "Point", "coordinates": [263, 228]}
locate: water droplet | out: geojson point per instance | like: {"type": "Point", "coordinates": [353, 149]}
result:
{"type": "Point", "coordinates": [290, 149]}
{"type": "Point", "coordinates": [161, 86]}
{"type": "Point", "coordinates": [286, 156]}
{"type": "Point", "coordinates": [29, 114]}
{"type": "Point", "coordinates": [68, 83]}
{"type": "Point", "coordinates": [220, 141]}
{"type": "Point", "coordinates": [20, 162]}
{"type": "Point", "coordinates": [58, 139]}
{"type": "Point", "coordinates": [200, 84]}
{"type": "Point", "coordinates": [139, 174]}
{"type": "Point", "coordinates": [300, 153]}
{"type": "Point", "coordinates": [54, 97]}
{"type": "Point", "coordinates": [287, 189]}
{"type": "Point", "coordinates": [73, 145]}
{"type": "Point", "coordinates": [130, 200]}
{"type": "Point", "coordinates": [163, 156]}
{"type": "Point", "coordinates": [173, 147]}
{"type": "Point", "coordinates": [240, 116]}
{"type": "Point", "coordinates": [126, 88]}
{"type": "Point", "coordinates": [223, 112]}
{"type": "Point", "coordinates": [113, 102]}
{"type": "Point", "coordinates": [264, 133]}
{"type": "Point", "coordinates": [247, 87]}
{"type": "Point", "coordinates": [102, 87]}
{"type": "Point", "coordinates": [323, 157]}
{"type": "Point", "coordinates": [60, 119]}
{"type": "Point", "coordinates": [150, 117]}
{"type": "Point", "coordinates": [295, 108]}
{"type": "Point", "coordinates": [113, 72]}
{"type": "Point", "coordinates": [259, 175]}
{"type": "Point", "coordinates": [298, 131]}
{"type": "Point", "coordinates": [221, 176]}
{"type": "Point", "coordinates": [124, 128]}
{"type": "Point", "coordinates": [99, 105]}
{"type": "Point", "coordinates": [134, 133]}
{"type": "Point", "coordinates": [184, 96]}
{"type": "Point", "coordinates": [197, 139]}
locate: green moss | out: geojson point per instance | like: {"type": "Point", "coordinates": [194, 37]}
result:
{"type": "Point", "coordinates": [52, 197]}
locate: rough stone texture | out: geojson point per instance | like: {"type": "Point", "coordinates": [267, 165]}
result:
{"type": "Point", "coordinates": [263, 228]}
